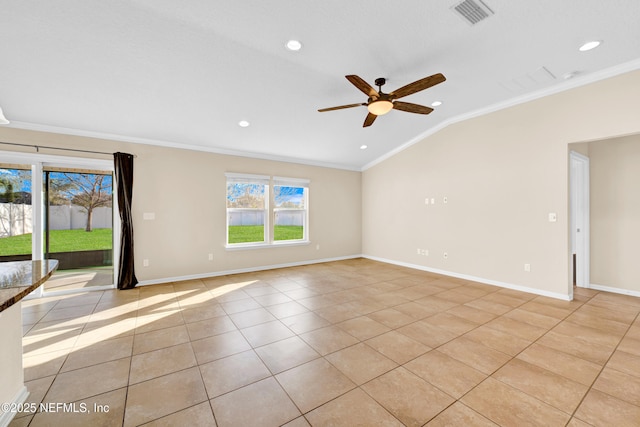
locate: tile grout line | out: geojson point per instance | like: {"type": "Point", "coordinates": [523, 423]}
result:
{"type": "Point", "coordinates": [604, 367]}
{"type": "Point", "coordinates": [511, 359]}
{"type": "Point", "coordinates": [334, 291]}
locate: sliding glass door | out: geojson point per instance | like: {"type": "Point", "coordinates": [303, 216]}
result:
{"type": "Point", "coordinates": [54, 207]}
{"type": "Point", "coordinates": [78, 227]}
{"type": "Point", "coordinates": [16, 212]}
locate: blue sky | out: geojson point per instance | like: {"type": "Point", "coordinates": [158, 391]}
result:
{"type": "Point", "coordinates": [26, 183]}
{"type": "Point", "coordinates": [289, 194]}
{"type": "Point", "coordinates": [9, 173]}
{"type": "Point", "coordinates": [283, 194]}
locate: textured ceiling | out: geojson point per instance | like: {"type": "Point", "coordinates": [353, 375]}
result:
{"type": "Point", "coordinates": [185, 73]}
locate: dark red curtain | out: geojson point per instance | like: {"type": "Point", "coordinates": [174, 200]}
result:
{"type": "Point", "coordinates": [124, 179]}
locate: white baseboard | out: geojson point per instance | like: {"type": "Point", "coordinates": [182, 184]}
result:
{"type": "Point", "coordinates": [388, 261]}
{"type": "Point", "coordinates": [243, 270]}
{"type": "Point", "coordinates": [474, 278]}
{"type": "Point", "coordinates": [21, 397]}
{"type": "Point", "coordinates": [614, 290]}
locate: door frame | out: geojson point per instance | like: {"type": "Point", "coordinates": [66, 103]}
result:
{"type": "Point", "coordinates": [37, 161]}
{"type": "Point", "coordinates": [579, 225]}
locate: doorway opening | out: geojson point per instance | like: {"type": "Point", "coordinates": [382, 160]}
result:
{"type": "Point", "coordinates": [579, 219]}
{"type": "Point", "coordinates": [78, 227]}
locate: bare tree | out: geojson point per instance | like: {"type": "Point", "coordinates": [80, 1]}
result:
{"type": "Point", "coordinates": [88, 191]}
{"type": "Point", "coordinates": [241, 195]}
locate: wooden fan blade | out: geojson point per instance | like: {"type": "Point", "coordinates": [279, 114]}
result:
{"type": "Point", "coordinates": [363, 86]}
{"type": "Point", "coordinates": [322, 110]}
{"type": "Point", "coordinates": [368, 121]}
{"type": "Point", "coordinates": [417, 86]}
{"type": "Point", "coordinates": [411, 108]}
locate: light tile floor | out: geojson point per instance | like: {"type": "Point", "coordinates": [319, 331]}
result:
{"type": "Point", "coordinates": [348, 343]}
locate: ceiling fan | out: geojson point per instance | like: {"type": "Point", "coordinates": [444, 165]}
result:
{"type": "Point", "coordinates": [380, 103]}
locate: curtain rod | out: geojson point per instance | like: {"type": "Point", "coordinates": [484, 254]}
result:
{"type": "Point", "coordinates": [38, 147]}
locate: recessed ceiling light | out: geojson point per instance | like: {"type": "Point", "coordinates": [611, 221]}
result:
{"type": "Point", "coordinates": [294, 45]}
{"type": "Point", "coordinates": [590, 45]}
{"type": "Point", "coordinates": [243, 123]}
{"type": "Point", "coordinates": [570, 75]}
{"type": "Point", "coordinates": [363, 147]}
{"type": "Point", "coordinates": [436, 103]}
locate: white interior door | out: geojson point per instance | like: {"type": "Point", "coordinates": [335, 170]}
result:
{"type": "Point", "coordinates": [579, 231]}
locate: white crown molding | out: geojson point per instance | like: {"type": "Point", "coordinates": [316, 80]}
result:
{"type": "Point", "coordinates": [526, 289]}
{"type": "Point", "coordinates": [561, 87]}
{"type": "Point", "coordinates": [170, 144]}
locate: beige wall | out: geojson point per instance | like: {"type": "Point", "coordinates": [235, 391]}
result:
{"type": "Point", "coordinates": [170, 182]}
{"type": "Point", "coordinates": [502, 174]}
{"type": "Point", "coordinates": [615, 212]}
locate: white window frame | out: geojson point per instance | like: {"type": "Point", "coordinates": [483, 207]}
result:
{"type": "Point", "coordinates": [269, 209]}
{"type": "Point", "coordinates": [292, 182]}
{"type": "Point", "coordinates": [249, 179]}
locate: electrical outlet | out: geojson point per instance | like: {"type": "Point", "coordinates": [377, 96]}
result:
{"type": "Point", "coordinates": [433, 201]}
{"type": "Point", "coordinates": [145, 263]}
{"type": "Point", "coordinates": [426, 201]}
{"type": "Point", "coordinates": [527, 267]}
{"type": "Point", "coordinates": [210, 257]}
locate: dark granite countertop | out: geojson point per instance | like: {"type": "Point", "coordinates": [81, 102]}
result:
{"type": "Point", "coordinates": [19, 278]}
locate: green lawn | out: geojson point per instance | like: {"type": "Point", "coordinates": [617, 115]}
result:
{"type": "Point", "coordinates": [288, 232]}
{"type": "Point", "coordinates": [255, 233]}
{"type": "Point", "coordinates": [61, 241]}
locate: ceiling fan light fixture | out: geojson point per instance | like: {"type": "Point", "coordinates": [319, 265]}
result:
{"type": "Point", "coordinates": [380, 107]}
{"type": "Point", "coordinates": [436, 103]}
{"type": "Point", "coordinates": [3, 119]}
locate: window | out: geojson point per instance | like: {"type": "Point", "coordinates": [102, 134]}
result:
{"type": "Point", "coordinates": [16, 213]}
{"type": "Point", "coordinates": [290, 209]}
{"type": "Point", "coordinates": [247, 205]}
{"type": "Point", "coordinates": [264, 210]}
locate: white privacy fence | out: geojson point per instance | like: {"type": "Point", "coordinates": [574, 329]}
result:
{"type": "Point", "coordinates": [16, 219]}
{"type": "Point", "coordinates": [290, 217]}
{"type": "Point", "coordinates": [256, 217]}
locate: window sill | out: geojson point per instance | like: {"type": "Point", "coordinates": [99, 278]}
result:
{"type": "Point", "coordinates": [249, 246]}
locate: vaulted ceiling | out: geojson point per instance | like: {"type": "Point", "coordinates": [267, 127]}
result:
{"type": "Point", "coordinates": [185, 73]}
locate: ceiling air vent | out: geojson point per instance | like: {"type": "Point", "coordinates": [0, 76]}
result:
{"type": "Point", "coordinates": [473, 11]}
